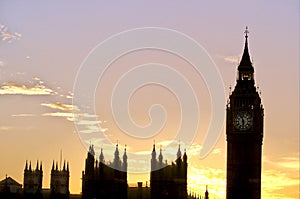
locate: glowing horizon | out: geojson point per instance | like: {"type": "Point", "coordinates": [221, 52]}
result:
{"type": "Point", "coordinates": [43, 45]}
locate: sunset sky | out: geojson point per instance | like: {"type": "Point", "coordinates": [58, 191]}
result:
{"type": "Point", "coordinates": [43, 44]}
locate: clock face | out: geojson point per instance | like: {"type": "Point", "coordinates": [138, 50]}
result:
{"type": "Point", "coordinates": [243, 121]}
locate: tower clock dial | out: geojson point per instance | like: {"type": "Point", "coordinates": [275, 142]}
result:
{"type": "Point", "coordinates": [243, 121]}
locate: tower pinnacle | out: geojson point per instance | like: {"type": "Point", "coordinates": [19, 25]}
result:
{"type": "Point", "coordinates": [245, 67]}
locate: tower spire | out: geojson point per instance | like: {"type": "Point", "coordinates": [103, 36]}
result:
{"type": "Point", "coordinates": [246, 61]}
{"type": "Point", "coordinates": [26, 166]}
{"type": "Point", "coordinates": [101, 157]}
{"type": "Point", "coordinates": [117, 158]}
{"type": "Point", "coordinates": [245, 67]}
{"type": "Point", "coordinates": [125, 160]}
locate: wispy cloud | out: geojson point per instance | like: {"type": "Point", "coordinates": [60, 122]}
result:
{"type": "Point", "coordinates": [231, 59]}
{"type": "Point", "coordinates": [68, 116]}
{"type": "Point", "coordinates": [59, 106]}
{"type": "Point", "coordinates": [8, 36]}
{"type": "Point", "coordinates": [284, 162]}
{"type": "Point", "coordinates": [276, 183]}
{"type": "Point", "coordinates": [199, 177]}
{"type": "Point", "coordinates": [71, 113]}
{"type": "Point", "coordinates": [23, 115]}
{"type": "Point", "coordinates": [12, 88]}
{"type": "Point", "coordinates": [5, 128]}
{"type": "Point", "coordinates": [217, 151]}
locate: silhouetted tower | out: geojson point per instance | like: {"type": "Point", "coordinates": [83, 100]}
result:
{"type": "Point", "coordinates": [33, 181]}
{"type": "Point", "coordinates": [117, 161]}
{"type": "Point", "coordinates": [59, 182]}
{"type": "Point", "coordinates": [125, 162]}
{"type": "Point", "coordinates": [153, 159]}
{"type": "Point", "coordinates": [168, 181]}
{"type": "Point", "coordinates": [244, 131]}
{"type": "Point", "coordinates": [101, 180]}
{"type": "Point", "coordinates": [206, 193]}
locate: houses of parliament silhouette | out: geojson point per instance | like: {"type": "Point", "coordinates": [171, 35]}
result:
{"type": "Point", "coordinates": [101, 179]}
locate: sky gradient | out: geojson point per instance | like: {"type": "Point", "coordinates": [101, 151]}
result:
{"type": "Point", "coordinates": [43, 44]}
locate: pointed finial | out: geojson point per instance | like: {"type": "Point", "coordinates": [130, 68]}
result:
{"type": "Point", "coordinates": [53, 165]}
{"type": "Point", "coordinates": [26, 166]}
{"type": "Point", "coordinates": [153, 146]}
{"type": "Point", "coordinates": [37, 165]}
{"type": "Point", "coordinates": [64, 167]}
{"type": "Point", "coordinates": [246, 32]}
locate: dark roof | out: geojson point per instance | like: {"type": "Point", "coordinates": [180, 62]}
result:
{"type": "Point", "coordinates": [9, 181]}
{"type": "Point", "coordinates": [246, 63]}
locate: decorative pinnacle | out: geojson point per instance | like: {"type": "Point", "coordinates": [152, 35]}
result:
{"type": "Point", "coordinates": [246, 32]}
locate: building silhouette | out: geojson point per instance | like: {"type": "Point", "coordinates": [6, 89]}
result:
{"type": "Point", "coordinates": [101, 180]}
{"type": "Point", "coordinates": [168, 181]}
{"type": "Point", "coordinates": [33, 181]}
{"type": "Point", "coordinates": [10, 189]}
{"type": "Point", "coordinates": [244, 133]}
{"type": "Point", "coordinates": [59, 182]}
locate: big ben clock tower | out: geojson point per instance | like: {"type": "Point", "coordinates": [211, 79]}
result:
{"type": "Point", "coordinates": [244, 134]}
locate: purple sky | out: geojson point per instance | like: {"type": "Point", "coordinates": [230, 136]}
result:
{"type": "Point", "coordinates": [43, 43]}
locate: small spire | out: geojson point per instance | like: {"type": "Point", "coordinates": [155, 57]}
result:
{"type": "Point", "coordinates": [117, 161]}
{"type": "Point", "coordinates": [37, 165]}
{"type": "Point", "coordinates": [26, 166]}
{"type": "Point", "coordinates": [64, 167]}
{"type": "Point", "coordinates": [125, 151]}
{"type": "Point", "coordinates": [185, 156]}
{"type": "Point", "coordinates": [179, 152]}
{"type": "Point", "coordinates": [153, 146]}
{"type": "Point", "coordinates": [91, 150]}
{"type": "Point", "coordinates": [53, 165]}
{"type": "Point", "coordinates": [246, 32]}
{"type": "Point", "coordinates": [125, 160]}
{"type": "Point", "coordinates": [67, 166]}
{"type": "Point", "coordinates": [41, 166]}
{"type": "Point", "coordinates": [245, 65]}
{"type": "Point", "coordinates": [29, 165]}
{"type": "Point", "coordinates": [56, 166]}
{"type": "Point", "coordinates": [101, 157]}
{"type": "Point", "coordinates": [160, 157]}
{"type": "Point", "coordinates": [117, 150]}
{"type": "Point", "coordinates": [206, 193]}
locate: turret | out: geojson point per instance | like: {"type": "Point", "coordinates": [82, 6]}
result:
{"type": "Point", "coordinates": [179, 152]}
{"type": "Point", "coordinates": [184, 157]}
{"type": "Point", "coordinates": [37, 165]}
{"type": "Point", "coordinates": [178, 160]}
{"type": "Point", "coordinates": [245, 67]}
{"type": "Point", "coordinates": [64, 167]}
{"type": "Point", "coordinates": [101, 157]}
{"type": "Point", "coordinates": [91, 150]}
{"type": "Point", "coordinates": [160, 159]}
{"type": "Point", "coordinates": [153, 159]}
{"type": "Point", "coordinates": [26, 166]}
{"type": "Point", "coordinates": [53, 165]}
{"type": "Point", "coordinates": [206, 193]}
{"type": "Point", "coordinates": [125, 160]}
{"type": "Point", "coordinates": [117, 161]}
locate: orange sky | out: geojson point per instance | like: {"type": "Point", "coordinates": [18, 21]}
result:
{"type": "Point", "coordinates": [42, 46]}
